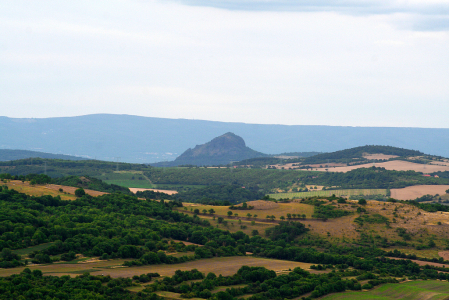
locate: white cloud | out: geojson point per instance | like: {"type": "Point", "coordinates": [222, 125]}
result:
{"type": "Point", "coordinates": [165, 59]}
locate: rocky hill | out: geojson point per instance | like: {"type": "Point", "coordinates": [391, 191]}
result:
{"type": "Point", "coordinates": [219, 151]}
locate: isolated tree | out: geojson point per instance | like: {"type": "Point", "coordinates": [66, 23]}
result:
{"type": "Point", "coordinates": [211, 211]}
{"type": "Point", "coordinates": [80, 192]}
{"type": "Point", "coordinates": [362, 201]}
{"type": "Point", "coordinates": [282, 218]}
{"type": "Point", "coordinates": [204, 211]}
{"type": "Point", "coordinates": [230, 213]}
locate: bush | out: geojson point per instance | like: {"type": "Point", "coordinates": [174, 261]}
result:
{"type": "Point", "coordinates": [367, 286]}
{"type": "Point", "coordinates": [80, 192]}
{"type": "Point", "coordinates": [362, 201]}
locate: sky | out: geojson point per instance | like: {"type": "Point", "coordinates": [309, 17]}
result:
{"type": "Point", "coordinates": [317, 62]}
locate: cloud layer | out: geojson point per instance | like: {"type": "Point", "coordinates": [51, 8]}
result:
{"type": "Point", "coordinates": [427, 15]}
{"type": "Point", "coordinates": [378, 63]}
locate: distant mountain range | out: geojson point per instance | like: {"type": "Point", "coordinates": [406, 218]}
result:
{"type": "Point", "coordinates": [221, 150]}
{"type": "Point", "coordinates": [8, 154]}
{"type": "Point", "coordinates": [145, 140]}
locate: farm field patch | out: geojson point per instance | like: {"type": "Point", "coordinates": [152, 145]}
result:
{"type": "Point", "coordinates": [261, 209]}
{"type": "Point", "coordinates": [327, 193]}
{"type": "Point", "coordinates": [419, 224]}
{"type": "Point", "coordinates": [397, 165]}
{"type": "Point", "coordinates": [225, 266]}
{"type": "Point", "coordinates": [378, 156]}
{"type": "Point", "coordinates": [128, 179]}
{"type": "Point", "coordinates": [169, 192]}
{"type": "Point", "coordinates": [413, 192]}
{"type": "Point", "coordinates": [412, 290]}
{"type": "Point", "coordinates": [59, 269]}
{"type": "Point", "coordinates": [48, 189]}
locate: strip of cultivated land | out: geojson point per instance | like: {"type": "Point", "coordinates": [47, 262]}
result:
{"type": "Point", "coordinates": [416, 191]}
{"type": "Point", "coordinates": [327, 193]}
{"type": "Point", "coordinates": [412, 290]}
{"type": "Point", "coordinates": [225, 266]}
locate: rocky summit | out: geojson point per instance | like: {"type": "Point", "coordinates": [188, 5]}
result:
{"type": "Point", "coordinates": [219, 151]}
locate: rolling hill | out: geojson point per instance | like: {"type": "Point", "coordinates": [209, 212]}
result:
{"type": "Point", "coordinates": [145, 140]}
{"type": "Point", "coordinates": [10, 154]}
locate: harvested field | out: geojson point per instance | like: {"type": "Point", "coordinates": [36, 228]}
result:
{"type": "Point", "coordinates": [327, 193]}
{"type": "Point", "coordinates": [263, 208]}
{"type": "Point", "coordinates": [71, 190]}
{"type": "Point", "coordinates": [169, 192]}
{"type": "Point", "coordinates": [444, 254]}
{"type": "Point", "coordinates": [234, 224]}
{"type": "Point", "coordinates": [173, 296]}
{"type": "Point", "coordinates": [421, 225]}
{"type": "Point", "coordinates": [379, 156]}
{"type": "Point", "coordinates": [49, 189]}
{"type": "Point", "coordinates": [330, 165]}
{"type": "Point", "coordinates": [262, 204]}
{"type": "Point", "coordinates": [398, 165]}
{"type": "Point", "coordinates": [413, 192]}
{"type": "Point", "coordinates": [59, 269]}
{"type": "Point", "coordinates": [222, 265]}
{"type": "Point", "coordinates": [411, 290]}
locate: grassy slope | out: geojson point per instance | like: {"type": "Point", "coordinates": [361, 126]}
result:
{"type": "Point", "coordinates": [422, 226]}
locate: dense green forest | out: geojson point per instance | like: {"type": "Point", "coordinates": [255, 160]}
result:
{"type": "Point", "coordinates": [213, 195]}
{"type": "Point", "coordinates": [121, 226]}
{"type": "Point", "coordinates": [259, 162]}
{"type": "Point", "coordinates": [33, 285]}
{"type": "Point", "coordinates": [229, 193]}
{"type": "Point", "coordinates": [59, 168]}
{"type": "Point", "coordinates": [265, 180]}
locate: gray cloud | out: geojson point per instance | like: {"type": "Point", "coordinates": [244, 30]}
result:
{"type": "Point", "coordinates": [437, 13]}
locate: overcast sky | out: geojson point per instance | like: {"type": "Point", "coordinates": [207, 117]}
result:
{"type": "Point", "coordinates": [315, 62]}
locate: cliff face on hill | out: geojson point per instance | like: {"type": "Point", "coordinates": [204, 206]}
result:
{"type": "Point", "coordinates": [221, 150]}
